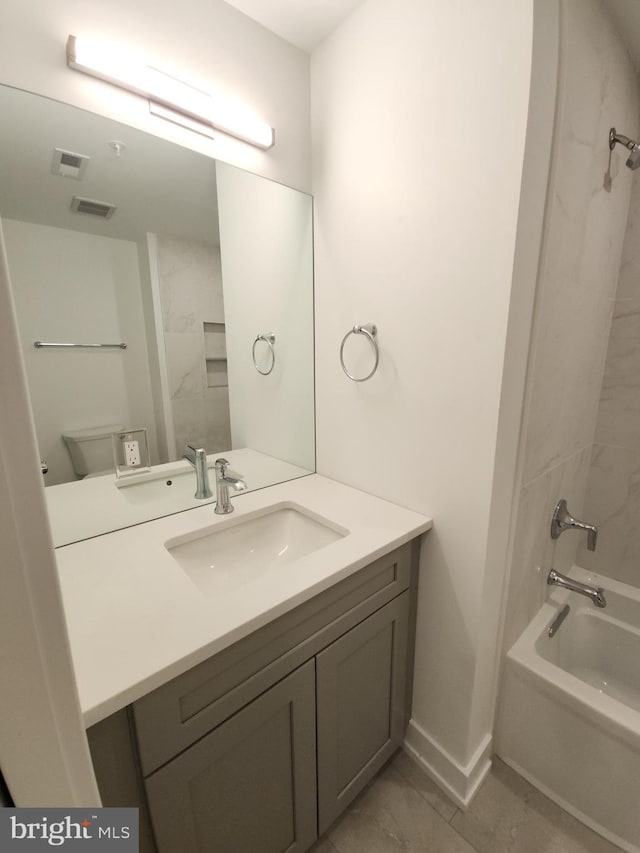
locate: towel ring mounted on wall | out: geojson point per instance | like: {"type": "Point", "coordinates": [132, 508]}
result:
{"type": "Point", "coordinates": [269, 340]}
{"type": "Point", "coordinates": [370, 330]}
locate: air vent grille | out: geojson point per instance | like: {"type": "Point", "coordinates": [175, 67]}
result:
{"type": "Point", "coordinates": [72, 160]}
{"type": "Point", "coordinates": [92, 207]}
{"type": "Point", "coordinates": [68, 164]}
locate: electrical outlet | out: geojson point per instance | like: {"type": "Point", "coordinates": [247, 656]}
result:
{"type": "Point", "coordinates": [131, 454]}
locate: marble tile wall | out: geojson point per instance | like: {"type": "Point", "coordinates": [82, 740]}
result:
{"type": "Point", "coordinates": [612, 499]}
{"type": "Point", "coordinates": [191, 295]}
{"type": "Point", "coordinates": [581, 255]}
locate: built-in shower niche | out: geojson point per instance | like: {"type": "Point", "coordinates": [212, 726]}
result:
{"type": "Point", "coordinates": [215, 354]}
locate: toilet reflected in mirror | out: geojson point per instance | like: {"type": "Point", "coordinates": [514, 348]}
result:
{"type": "Point", "coordinates": [91, 450]}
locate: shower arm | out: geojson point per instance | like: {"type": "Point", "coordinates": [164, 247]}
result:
{"type": "Point", "coordinates": [621, 138]}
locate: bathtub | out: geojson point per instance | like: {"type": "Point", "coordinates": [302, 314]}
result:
{"type": "Point", "coordinates": [569, 715]}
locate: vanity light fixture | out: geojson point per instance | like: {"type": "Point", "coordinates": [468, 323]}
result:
{"type": "Point", "coordinates": [132, 74]}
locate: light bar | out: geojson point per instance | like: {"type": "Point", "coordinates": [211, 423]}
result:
{"type": "Point", "coordinates": [130, 73]}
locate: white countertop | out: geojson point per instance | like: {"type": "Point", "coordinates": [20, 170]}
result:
{"type": "Point", "coordinates": [136, 620]}
{"type": "Point", "coordinates": [72, 506]}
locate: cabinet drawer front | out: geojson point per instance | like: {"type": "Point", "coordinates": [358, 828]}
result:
{"type": "Point", "coordinates": [174, 716]}
{"type": "Point", "coordinates": [250, 785]}
{"type": "Point", "coordinates": [361, 690]}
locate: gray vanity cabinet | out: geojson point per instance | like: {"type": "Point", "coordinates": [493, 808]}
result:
{"type": "Point", "coordinates": [259, 748]}
{"type": "Point", "coordinates": [250, 785]}
{"type": "Point", "coordinates": [360, 702]}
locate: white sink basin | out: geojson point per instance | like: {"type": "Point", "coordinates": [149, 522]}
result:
{"type": "Point", "coordinates": [236, 551]}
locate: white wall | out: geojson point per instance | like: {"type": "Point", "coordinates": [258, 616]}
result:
{"type": "Point", "coordinates": [75, 287]}
{"type": "Point", "coordinates": [533, 196]}
{"type": "Point", "coordinates": [204, 42]}
{"type": "Point", "coordinates": [267, 275]}
{"type": "Point", "coordinates": [43, 752]}
{"type": "Point", "coordinates": [418, 127]}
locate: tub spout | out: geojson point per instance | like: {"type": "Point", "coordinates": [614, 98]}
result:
{"type": "Point", "coordinates": [595, 593]}
{"type": "Point", "coordinates": [600, 600]}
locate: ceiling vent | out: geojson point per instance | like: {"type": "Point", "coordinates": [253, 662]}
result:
{"type": "Point", "coordinates": [92, 207]}
{"type": "Point", "coordinates": [68, 164]}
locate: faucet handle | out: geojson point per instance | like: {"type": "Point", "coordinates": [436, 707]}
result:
{"type": "Point", "coordinates": [192, 453]}
{"type": "Point", "coordinates": [563, 520]}
{"type": "Point", "coordinates": [223, 472]}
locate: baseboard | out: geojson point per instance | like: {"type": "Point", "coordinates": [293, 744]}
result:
{"type": "Point", "coordinates": [459, 782]}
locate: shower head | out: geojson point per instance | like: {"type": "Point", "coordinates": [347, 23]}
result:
{"type": "Point", "coordinates": [633, 160]}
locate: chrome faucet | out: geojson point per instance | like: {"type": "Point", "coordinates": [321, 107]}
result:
{"type": "Point", "coordinates": [563, 520]}
{"type": "Point", "coordinates": [224, 479]}
{"type": "Point", "coordinates": [197, 456]}
{"type": "Point", "coordinates": [595, 593]}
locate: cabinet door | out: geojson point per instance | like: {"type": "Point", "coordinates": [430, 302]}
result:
{"type": "Point", "coordinates": [361, 680]}
{"type": "Point", "coordinates": [249, 786]}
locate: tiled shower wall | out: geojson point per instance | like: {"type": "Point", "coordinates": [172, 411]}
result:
{"type": "Point", "coordinates": [583, 239]}
{"type": "Point", "coordinates": [613, 486]}
{"type": "Point", "coordinates": [191, 294]}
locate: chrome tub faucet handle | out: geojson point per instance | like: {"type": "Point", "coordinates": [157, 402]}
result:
{"type": "Point", "coordinates": [563, 520]}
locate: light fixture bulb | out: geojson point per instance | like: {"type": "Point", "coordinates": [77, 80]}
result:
{"type": "Point", "coordinates": [131, 73]}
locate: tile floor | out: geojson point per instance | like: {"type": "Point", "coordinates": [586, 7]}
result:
{"type": "Point", "coordinates": [402, 811]}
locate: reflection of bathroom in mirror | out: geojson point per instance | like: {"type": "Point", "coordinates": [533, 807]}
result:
{"type": "Point", "coordinates": [138, 260]}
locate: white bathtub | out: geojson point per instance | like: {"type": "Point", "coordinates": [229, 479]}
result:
{"type": "Point", "coordinates": [569, 718]}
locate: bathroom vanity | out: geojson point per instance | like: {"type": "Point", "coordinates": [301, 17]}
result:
{"type": "Point", "coordinates": [245, 716]}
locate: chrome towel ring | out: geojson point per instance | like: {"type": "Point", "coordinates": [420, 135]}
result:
{"type": "Point", "coordinates": [269, 340]}
{"type": "Point", "coordinates": [370, 330]}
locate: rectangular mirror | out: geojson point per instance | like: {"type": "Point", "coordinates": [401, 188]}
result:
{"type": "Point", "coordinates": [199, 278]}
